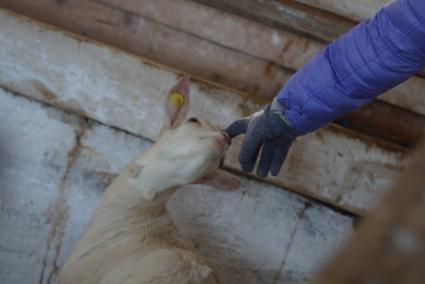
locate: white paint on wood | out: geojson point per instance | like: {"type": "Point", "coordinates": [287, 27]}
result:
{"type": "Point", "coordinates": [254, 248]}
{"type": "Point", "coordinates": [228, 30]}
{"type": "Point", "coordinates": [34, 143]}
{"type": "Point", "coordinates": [311, 238]}
{"type": "Point", "coordinates": [101, 82]}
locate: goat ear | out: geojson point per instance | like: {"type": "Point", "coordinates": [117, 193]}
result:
{"type": "Point", "coordinates": [222, 180]}
{"type": "Point", "coordinates": [177, 103]}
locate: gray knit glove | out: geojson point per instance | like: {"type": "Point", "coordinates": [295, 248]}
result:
{"type": "Point", "coordinates": [269, 129]}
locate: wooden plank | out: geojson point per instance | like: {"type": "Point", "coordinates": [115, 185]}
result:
{"type": "Point", "coordinates": [294, 267]}
{"type": "Point", "coordinates": [356, 10]}
{"type": "Point", "coordinates": [165, 43]}
{"type": "Point", "coordinates": [277, 46]}
{"type": "Point", "coordinates": [47, 200]}
{"type": "Point", "coordinates": [386, 121]}
{"type": "Point", "coordinates": [34, 147]}
{"type": "Point", "coordinates": [249, 56]}
{"type": "Point", "coordinates": [389, 247]}
{"type": "Point", "coordinates": [313, 23]}
{"type": "Point", "coordinates": [287, 15]}
{"type": "Point", "coordinates": [335, 165]}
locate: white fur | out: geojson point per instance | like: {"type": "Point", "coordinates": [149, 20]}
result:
{"type": "Point", "coordinates": [131, 238]}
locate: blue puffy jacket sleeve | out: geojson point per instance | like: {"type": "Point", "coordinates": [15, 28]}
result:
{"type": "Point", "coordinates": [372, 58]}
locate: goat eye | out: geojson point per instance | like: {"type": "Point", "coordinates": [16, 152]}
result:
{"type": "Point", "coordinates": [193, 120]}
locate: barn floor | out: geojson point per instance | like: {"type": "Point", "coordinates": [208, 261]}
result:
{"type": "Point", "coordinates": [74, 112]}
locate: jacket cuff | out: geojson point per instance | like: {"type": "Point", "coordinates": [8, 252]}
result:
{"type": "Point", "coordinates": [277, 108]}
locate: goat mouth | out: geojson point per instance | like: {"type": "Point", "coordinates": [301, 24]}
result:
{"type": "Point", "coordinates": [224, 139]}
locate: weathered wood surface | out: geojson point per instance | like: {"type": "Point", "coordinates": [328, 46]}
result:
{"type": "Point", "coordinates": [55, 166]}
{"type": "Point", "coordinates": [204, 41]}
{"type": "Point", "coordinates": [33, 159]}
{"type": "Point", "coordinates": [313, 23]}
{"type": "Point", "coordinates": [334, 165]}
{"type": "Point", "coordinates": [408, 95]}
{"type": "Point", "coordinates": [390, 246]}
{"type": "Point", "coordinates": [213, 45]}
{"type": "Point", "coordinates": [287, 15]}
{"type": "Point", "coordinates": [384, 121]}
{"type": "Point", "coordinates": [353, 9]}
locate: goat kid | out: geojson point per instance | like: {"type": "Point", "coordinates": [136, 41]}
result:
{"type": "Point", "coordinates": [131, 238]}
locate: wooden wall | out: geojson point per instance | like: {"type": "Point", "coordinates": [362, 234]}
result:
{"type": "Point", "coordinates": [120, 57]}
{"type": "Point", "coordinates": [251, 45]}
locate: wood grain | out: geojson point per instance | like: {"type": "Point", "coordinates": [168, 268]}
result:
{"type": "Point", "coordinates": [287, 15]}
{"type": "Point", "coordinates": [356, 10]}
{"type": "Point", "coordinates": [320, 25]}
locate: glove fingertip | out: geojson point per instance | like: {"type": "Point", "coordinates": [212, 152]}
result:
{"type": "Point", "coordinates": [238, 127]}
{"type": "Point", "coordinates": [274, 171]}
{"type": "Point", "coordinates": [247, 168]}
{"type": "Point", "coordinates": [249, 153]}
{"type": "Point", "coordinates": [277, 163]}
{"type": "Point", "coordinates": [266, 158]}
{"type": "Point", "coordinates": [247, 165]}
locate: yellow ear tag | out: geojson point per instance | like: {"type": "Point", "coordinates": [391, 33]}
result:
{"type": "Point", "coordinates": [176, 99]}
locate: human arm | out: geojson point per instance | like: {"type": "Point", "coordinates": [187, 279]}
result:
{"type": "Point", "coordinates": [375, 56]}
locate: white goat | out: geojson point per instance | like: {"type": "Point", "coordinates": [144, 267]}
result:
{"type": "Point", "coordinates": [131, 238]}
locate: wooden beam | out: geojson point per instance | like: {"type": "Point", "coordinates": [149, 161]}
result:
{"type": "Point", "coordinates": [214, 45]}
{"type": "Point", "coordinates": [287, 15]}
{"type": "Point", "coordinates": [356, 10]}
{"type": "Point", "coordinates": [389, 247]}
{"type": "Point", "coordinates": [291, 15]}
{"type": "Point", "coordinates": [386, 121]}
{"type": "Point", "coordinates": [334, 165]}
{"type": "Point", "coordinates": [237, 52]}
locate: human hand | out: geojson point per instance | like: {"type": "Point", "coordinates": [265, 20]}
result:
{"type": "Point", "coordinates": [267, 129]}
